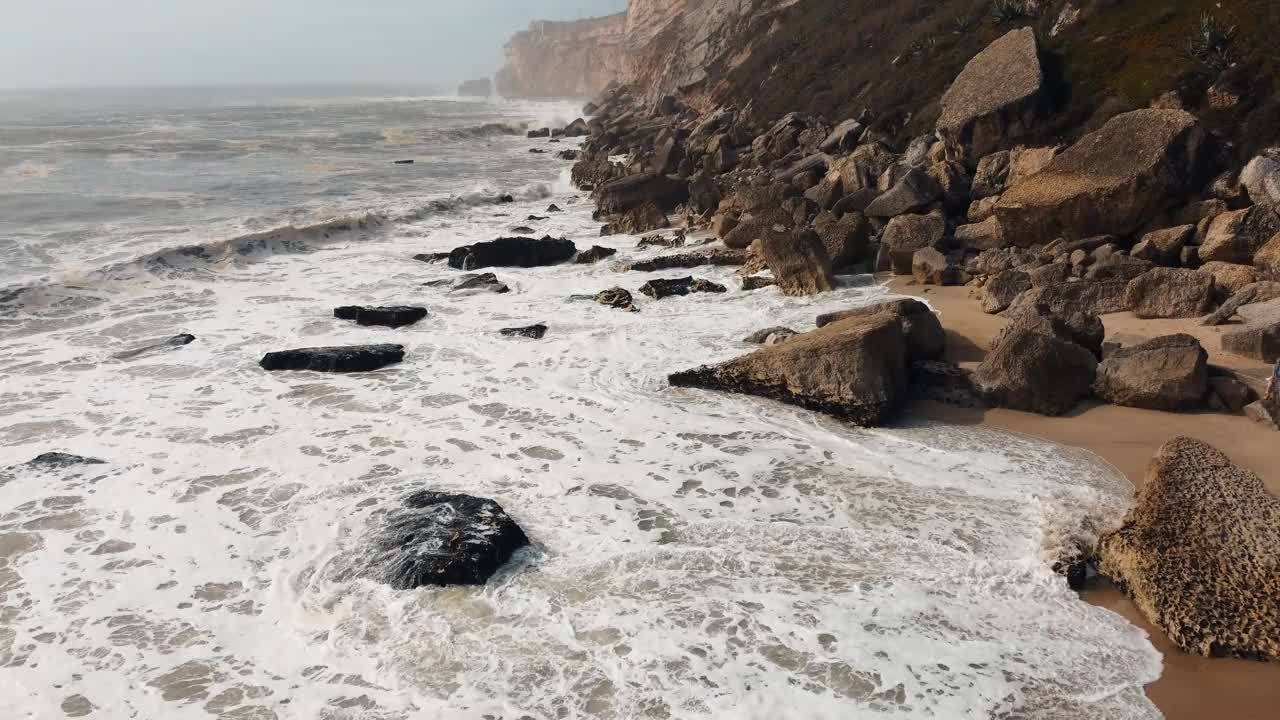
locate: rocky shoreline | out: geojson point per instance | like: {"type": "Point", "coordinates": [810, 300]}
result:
{"type": "Point", "coordinates": [1143, 216]}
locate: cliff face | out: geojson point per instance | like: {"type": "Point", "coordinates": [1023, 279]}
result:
{"type": "Point", "coordinates": [564, 59]}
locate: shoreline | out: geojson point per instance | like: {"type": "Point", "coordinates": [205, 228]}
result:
{"type": "Point", "coordinates": [1190, 687]}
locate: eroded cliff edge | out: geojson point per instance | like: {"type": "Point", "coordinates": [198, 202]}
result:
{"type": "Point", "coordinates": [564, 59]}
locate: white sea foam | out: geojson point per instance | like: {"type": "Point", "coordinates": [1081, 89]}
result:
{"type": "Point", "coordinates": [696, 555]}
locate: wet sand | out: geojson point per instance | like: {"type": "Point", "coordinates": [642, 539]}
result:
{"type": "Point", "coordinates": [1191, 687]}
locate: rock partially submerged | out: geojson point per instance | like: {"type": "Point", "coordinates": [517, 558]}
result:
{"type": "Point", "coordinates": [854, 369]}
{"type": "Point", "coordinates": [176, 341]}
{"type": "Point", "coordinates": [533, 332]}
{"type": "Point", "coordinates": [616, 297]}
{"type": "Point", "coordinates": [392, 316]}
{"type": "Point", "coordinates": [481, 282]}
{"type": "Point", "coordinates": [443, 539]}
{"type": "Point", "coordinates": [658, 289]}
{"type": "Point", "coordinates": [594, 254]}
{"type": "Point", "coordinates": [61, 460]}
{"type": "Point", "coordinates": [925, 338]}
{"type": "Point", "coordinates": [1197, 553]}
{"type": "Point", "coordinates": [512, 252]}
{"type": "Point", "coordinates": [354, 358]}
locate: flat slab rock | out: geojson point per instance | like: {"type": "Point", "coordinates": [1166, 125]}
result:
{"type": "Point", "coordinates": [443, 539]}
{"type": "Point", "coordinates": [391, 316]}
{"type": "Point", "coordinates": [1197, 553]}
{"type": "Point", "coordinates": [353, 358]}
{"type": "Point", "coordinates": [658, 289]}
{"type": "Point", "coordinates": [533, 332]}
{"type": "Point", "coordinates": [523, 252]}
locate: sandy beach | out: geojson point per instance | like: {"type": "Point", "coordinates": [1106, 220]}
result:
{"type": "Point", "coordinates": [1191, 687]}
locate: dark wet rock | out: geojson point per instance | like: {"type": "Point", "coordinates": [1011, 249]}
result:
{"type": "Point", "coordinates": [176, 341]}
{"type": "Point", "coordinates": [659, 241]}
{"type": "Point", "coordinates": [658, 289]}
{"type": "Point", "coordinates": [512, 252]}
{"type": "Point", "coordinates": [504, 199]}
{"type": "Point", "coordinates": [594, 254]}
{"type": "Point", "coordinates": [757, 282]}
{"type": "Point", "coordinates": [402, 162]}
{"type": "Point", "coordinates": [1167, 373]}
{"type": "Point", "coordinates": [537, 218]}
{"type": "Point", "coordinates": [537, 151]}
{"type": "Point", "coordinates": [522, 229]}
{"type": "Point", "coordinates": [854, 369]}
{"type": "Point", "coordinates": [431, 257]}
{"type": "Point", "coordinates": [394, 316]}
{"type": "Point", "coordinates": [61, 460]}
{"type": "Point", "coordinates": [444, 539]}
{"type": "Point", "coordinates": [626, 193]}
{"type": "Point", "coordinates": [770, 336]}
{"type": "Point", "coordinates": [615, 297]}
{"type": "Point", "coordinates": [487, 282]}
{"type": "Point", "coordinates": [685, 261]}
{"type": "Point", "coordinates": [553, 208]}
{"type": "Point", "coordinates": [567, 155]}
{"type": "Point", "coordinates": [1196, 553]}
{"type": "Point", "coordinates": [533, 332]}
{"type": "Point", "coordinates": [354, 358]}
{"type": "Point", "coordinates": [539, 133]}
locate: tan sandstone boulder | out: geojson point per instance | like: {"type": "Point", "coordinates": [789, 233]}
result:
{"type": "Point", "coordinates": [1113, 181]}
{"type": "Point", "coordinates": [1198, 553]}
{"type": "Point", "coordinates": [1170, 293]}
{"type": "Point", "coordinates": [926, 340]}
{"type": "Point", "coordinates": [1167, 373]}
{"type": "Point", "coordinates": [854, 369]}
{"type": "Point", "coordinates": [994, 100]}
{"type": "Point", "coordinates": [798, 261]}
{"type": "Point", "coordinates": [1235, 237]}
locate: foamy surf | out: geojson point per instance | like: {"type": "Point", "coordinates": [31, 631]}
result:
{"type": "Point", "coordinates": [695, 555]}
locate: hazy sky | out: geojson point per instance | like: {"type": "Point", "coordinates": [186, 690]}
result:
{"type": "Point", "coordinates": [177, 42]}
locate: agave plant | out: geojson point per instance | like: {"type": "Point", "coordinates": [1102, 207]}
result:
{"type": "Point", "coordinates": [1005, 12]}
{"type": "Point", "coordinates": [1210, 44]}
{"type": "Point", "coordinates": [963, 24]}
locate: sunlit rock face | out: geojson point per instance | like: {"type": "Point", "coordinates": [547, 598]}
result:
{"type": "Point", "coordinates": [564, 59]}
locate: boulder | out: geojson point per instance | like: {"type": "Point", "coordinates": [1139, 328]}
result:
{"type": "Point", "coordinates": [982, 210]}
{"type": "Point", "coordinates": [1196, 553]}
{"type": "Point", "coordinates": [854, 369]}
{"type": "Point", "coordinates": [930, 267]}
{"type": "Point", "coordinates": [1235, 237]}
{"type": "Point", "coordinates": [658, 289]}
{"type": "Point", "coordinates": [953, 182]}
{"type": "Point", "coordinates": [757, 282]}
{"type": "Point", "coordinates": [1164, 247]}
{"type": "Point", "coordinates": [567, 155]}
{"type": "Point", "coordinates": [645, 218]}
{"type": "Point", "coordinates": [925, 338]}
{"type": "Point", "coordinates": [754, 227]}
{"type": "Point", "coordinates": [1261, 179]}
{"type": "Point", "coordinates": [355, 358]}
{"type": "Point", "coordinates": [1118, 267]}
{"type": "Point", "coordinates": [441, 539]}
{"type": "Point", "coordinates": [615, 297]}
{"type": "Point", "coordinates": [916, 191]}
{"type": "Point", "coordinates": [770, 336]}
{"type": "Point", "coordinates": [1096, 297]}
{"type": "Point", "coordinates": [533, 332]}
{"type": "Point", "coordinates": [1114, 180]}
{"type": "Point", "coordinates": [1170, 293]}
{"type": "Point", "coordinates": [1081, 328]}
{"type": "Point", "coordinates": [1228, 310]}
{"type": "Point", "coordinates": [798, 261]}
{"type": "Point", "coordinates": [845, 136]}
{"type": "Point", "coordinates": [684, 261]}
{"type": "Point", "coordinates": [1168, 373]}
{"type": "Point", "coordinates": [594, 170]}
{"type": "Point", "coordinates": [626, 193]}
{"type": "Point", "coordinates": [158, 346]}
{"type": "Point", "coordinates": [1002, 289]}
{"type": "Point", "coordinates": [845, 237]}
{"type": "Point", "coordinates": [1257, 340]}
{"type": "Point", "coordinates": [478, 283]}
{"type": "Point", "coordinates": [1229, 392]}
{"type": "Point", "coordinates": [906, 234]}
{"type": "Point", "coordinates": [1267, 259]}
{"type": "Point", "coordinates": [431, 257]}
{"type": "Point", "coordinates": [59, 460]}
{"type": "Point", "coordinates": [985, 235]}
{"type": "Point", "coordinates": [1229, 278]}
{"type": "Point", "coordinates": [1035, 372]}
{"type": "Point", "coordinates": [864, 166]}
{"type": "Point", "coordinates": [553, 208]}
{"type": "Point", "coordinates": [394, 316]}
{"type": "Point", "coordinates": [512, 252]}
{"type": "Point", "coordinates": [992, 176]}
{"type": "Point", "coordinates": [661, 241]}
{"type": "Point", "coordinates": [996, 98]}
{"type": "Point", "coordinates": [722, 225]}
{"type": "Point", "coordinates": [1049, 274]}
{"type": "Point", "coordinates": [594, 254]}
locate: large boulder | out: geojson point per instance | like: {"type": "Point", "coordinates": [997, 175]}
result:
{"type": "Point", "coordinates": [1261, 179]}
{"type": "Point", "coordinates": [1235, 237]}
{"type": "Point", "coordinates": [798, 261]}
{"type": "Point", "coordinates": [1229, 278]}
{"type": "Point", "coordinates": [906, 234]}
{"type": "Point", "coordinates": [1113, 181]}
{"type": "Point", "coordinates": [854, 369]}
{"type": "Point", "coordinates": [594, 254]}
{"type": "Point", "coordinates": [1197, 553]}
{"type": "Point", "coordinates": [1259, 338]}
{"type": "Point", "coordinates": [845, 237]}
{"type": "Point", "coordinates": [1075, 326]}
{"type": "Point", "coordinates": [926, 340]}
{"type": "Point", "coordinates": [1267, 259]}
{"type": "Point", "coordinates": [915, 191]}
{"type": "Point", "coordinates": [845, 136]}
{"type": "Point", "coordinates": [995, 99]}
{"type": "Point", "coordinates": [512, 252]}
{"type": "Point", "coordinates": [625, 193]}
{"type": "Point", "coordinates": [862, 169]}
{"type": "Point", "coordinates": [642, 219]}
{"type": "Point", "coordinates": [441, 539]}
{"type": "Point", "coordinates": [1164, 247]}
{"type": "Point", "coordinates": [1097, 297]}
{"type": "Point", "coordinates": [1118, 267]}
{"type": "Point", "coordinates": [1002, 289]}
{"type": "Point", "coordinates": [1167, 373]}
{"type": "Point", "coordinates": [1036, 372]}
{"type": "Point", "coordinates": [355, 358]}
{"type": "Point", "coordinates": [992, 176]}
{"type": "Point", "coordinates": [394, 316]}
{"type": "Point", "coordinates": [1170, 293]}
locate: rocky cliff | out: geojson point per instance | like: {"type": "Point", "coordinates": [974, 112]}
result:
{"type": "Point", "coordinates": [564, 59]}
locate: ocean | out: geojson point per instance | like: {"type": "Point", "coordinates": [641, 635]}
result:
{"type": "Point", "coordinates": [695, 555]}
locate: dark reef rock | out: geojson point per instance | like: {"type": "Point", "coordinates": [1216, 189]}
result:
{"type": "Point", "coordinates": [658, 289]}
{"type": "Point", "coordinates": [167, 344]}
{"type": "Point", "coordinates": [61, 460]}
{"type": "Point", "coordinates": [615, 297]}
{"type": "Point", "coordinates": [483, 282]}
{"type": "Point", "coordinates": [393, 316]}
{"type": "Point", "coordinates": [444, 539]}
{"type": "Point", "coordinates": [512, 252]}
{"type": "Point", "coordinates": [431, 257]}
{"type": "Point", "coordinates": [594, 254]}
{"type": "Point", "coordinates": [354, 358]}
{"type": "Point", "coordinates": [533, 332]}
